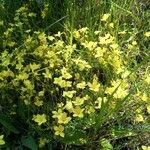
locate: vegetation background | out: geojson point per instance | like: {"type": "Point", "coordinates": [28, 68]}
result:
{"type": "Point", "coordinates": [28, 27]}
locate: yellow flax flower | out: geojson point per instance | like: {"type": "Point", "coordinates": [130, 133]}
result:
{"type": "Point", "coordinates": [82, 64]}
{"type": "Point", "coordinates": [66, 84]}
{"type": "Point", "coordinates": [56, 113]}
{"type": "Point", "coordinates": [62, 83]}
{"type": "Point", "coordinates": [145, 147]}
{"type": "Point", "coordinates": [84, 30]}
{"type": "Point", "coordinates": [90, 109]}
{"type": "Point", "coordinates": [65, 73]}
{"type": "Point", "coordinates": [63, 118]}
{"type": "Point", "coordinates": [40, 119]}
{"type": "Point", "coordinates": [134, 43]}
{"type": "Point", "coordinates": [81, 85]}
{"type": "Point", "coordinates": [139, 118]}
{"type": "Point", "coordinates": [122, 32]}
{"type": "Point", "coordinates": [147, 34]}
{"type": "Point", "coordinates": [147, 79]}
{"type": "Point", "coordinates": [121, 93]}
{"type": "Point", "coordinates": [78, 101]}
{"type": "Point", "coordinates": [114, 46]}
{"type": "Point", "coordinates": [99, 101]}
{"type": "Point", "coordinates": [105, 17]}
{"type": "Point", "coordinates": [111, 25]}
{"type": "Point", "coordinates": [83, 141]}
{"type": "Point", "coordinates": [69, 106]}
{"type": "Point", "coordinates": [144, 97]}
{"type": "Point", "coordinates": [68, 94]}
{"type": "Point", "coordinates": [94, 86]}
{"type": "Point", "coordinates": [148, 109]}
{"type": "Point", "coordinates": [2, 142]}
{"type": "Point", "coordinates": [78, 112]}
{"type": "Point", "coordinates": [59, 130]}
{"type": "Point", "coordinates": [76, 34]}
{"type": "Point", "coordinates": [38, 102]}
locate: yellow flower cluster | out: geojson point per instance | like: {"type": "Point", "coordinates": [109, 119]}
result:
{"type": "Point", "coordinates": [72, 81]}
{"type": "Point", "coordinates": [145, 147]}
{"type": "Point", "coordinates": [40, 119]}
{"type": "Point", "coordinates": [119, 88]}
{"type": "Point", "coordinates": [2, 142]}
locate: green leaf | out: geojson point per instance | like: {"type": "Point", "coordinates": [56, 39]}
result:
{"type": "Point", "coordinates": [7, 123]}
{"type": "Point", "coordinates": [29, 142]}
{"type": "Point", "coordinates": [105, 143]}
{"type": "Point", "coordinates": [73, 136]}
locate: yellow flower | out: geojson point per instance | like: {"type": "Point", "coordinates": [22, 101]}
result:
{"type": "Point", "coordinates": [90, 109]}
{"type": "Point", "coordinates": [28, 84]}
{"type": "Point", "coordinates": [97, 32]}
{"type": "Point", "coordinates": [38, 102]}
{"type": "Point", "coordinates": [139, 118]}
{"type": "Point", "coordinates": [130, 47]}
{"type": "Point", "coordinates": [62, 83]}
{"type": "Point", "coordinates": [102, 40]}
{"type": "Point", "coordinates": [100, 52]}
{"type": "Point", "coordinates": [82, 64]}
{"type": "Point", "coordinates": [83, 141]}
{"type": "Point", "coordinates": [58, 34]}
{"type": "Point", "coordinates": [147, 79]}
{"type": "Point", "coordinates": [94, 86]}
{"type": "Point", "coordinates": [66, 84]}
{"type": "Point", "coordinates": [56, 113]}
{"type": "Point", "coordinates": [69, 106]}
{"type": "Point", "coordinates": [147, 34]}
{"type": "Point", "coordinates": [134, 43]}
{"type": "Point", "coordinates": [120, 93]}
{"type": "Point", "coordinates": [144, 97]}
{"type": "Point", "coordinates": [63, 118]}
{"type": "Point", "coordinates": [83, 30]}
{"type": "Point", "coordinates": [22, 76]}
{"type": "Point", "coordinates": [105, 17]}
{"type": "Point", "coordinates": [51, 38]}
{"type": "Point", "coordinates": [78, 112]}
{"type": "Point", "coordinates": [60, 105]}
{"type": "Point", "coordinates": [40, 119]}
{"type": "Point", "coordinates": [79, 101]}
{"type": "Point", "coordinates": [114, 46]}
{"type": "Point", "coordinates": [47, 74]}
{"type": "Point", "coordinates": [34, 67]}
{"type": "Point", "coordinates": [68, 94]}
{"type": "Point", "coordinates": [111, 25]}
{"type": "Point", "coordinates": [65, 74]}
{"type": "Point", "coordinates": [59, 130]}
{"type": "Point", "coordinates": [91, 45]}
{"type": "Point", "coordinates": [86, 97]}
{"type": "Point", "coordinates": [76, 34]}
{"type": "Point", "coordinates": [122, 32]}
{"type": "Point", "coordinates": [121, 89]}
{"type": "Point", "coordinates": [81, 85]}
{"type": "Point", "coordinates": [145, 147]}
{"type": "Point", "coordinates": [42, 142]}
{"type": "Point", "coordinates": [99, 101]}
{"type": "Point", "coordinates": [2, 142]}
{"type": "Point", "coordinates": [125, 74]}
{"type": "Point", "coordinates": [148, 109]}
{"type": "Point", "coordinates": [58, 80]}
